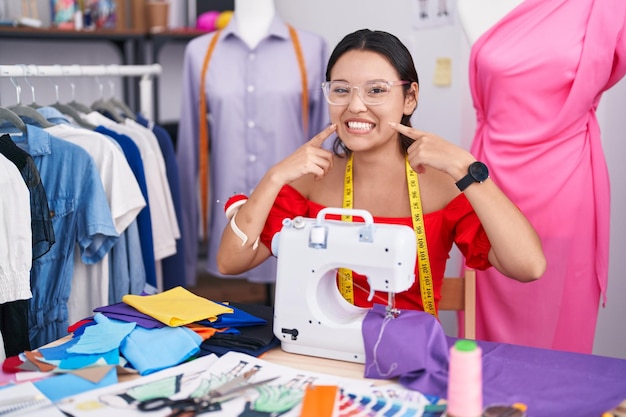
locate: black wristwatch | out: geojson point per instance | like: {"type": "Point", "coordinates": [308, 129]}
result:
{"type": "Point", "coordinates": [477, 172]}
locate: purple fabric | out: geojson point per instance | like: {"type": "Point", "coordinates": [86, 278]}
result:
{"type": "Point", "coordinates": [411, 347]}
{"type": "Point", "coordinates": [550, 382]}
{"type": "Point", "coordinates": [124, 312]}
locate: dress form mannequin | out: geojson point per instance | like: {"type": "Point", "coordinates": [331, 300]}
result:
{"type": "Point", "coordinates": [251, 123]}
{"type": "Point", "coordinates": [253, 19]}
{"type": "Point", "coordinates": [477, 16]}
{"type": "Point", "coordinates": [536, 110]}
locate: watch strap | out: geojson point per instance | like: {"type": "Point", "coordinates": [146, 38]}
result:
{"type": "Point", "coordinates": [465, 182]}
{"type": "Point", "coordinates": [476, 172]}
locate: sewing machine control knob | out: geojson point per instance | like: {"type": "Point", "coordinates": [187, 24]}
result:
{"type": "Point", "coordinates": [299, 223]}
{"type": "Point", "coordinates": [293, 332]}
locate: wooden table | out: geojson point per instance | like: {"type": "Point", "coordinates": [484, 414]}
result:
{"type": "Point", "coordinates": [314, 364]}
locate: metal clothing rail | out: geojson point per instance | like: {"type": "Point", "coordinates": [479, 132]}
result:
{"type": "Point", "coordinates": [146, 72]}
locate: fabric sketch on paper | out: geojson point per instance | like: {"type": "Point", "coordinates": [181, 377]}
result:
{"type": "Point", "coordinates": [278, 391]}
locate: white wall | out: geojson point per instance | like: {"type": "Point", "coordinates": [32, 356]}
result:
{"type": "Point", "coordinates": [445, 110]}
{"type": "Point", "coordinates": [610, 334]}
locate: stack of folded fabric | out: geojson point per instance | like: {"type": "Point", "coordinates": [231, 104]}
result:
{"type": "Point", "coordinates": [144, 334]}
{"type": "Point", "coordinates": [254, 336]}
{"type": "Point", "coordinates": [161, 336]}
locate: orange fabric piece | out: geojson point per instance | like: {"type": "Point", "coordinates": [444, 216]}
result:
{"type": "Point", "coordinates": [320, 401]}
{"type": "Point", "coordinates": [203, 331]}
{"type": "Point", "coordinates": [34, 357]}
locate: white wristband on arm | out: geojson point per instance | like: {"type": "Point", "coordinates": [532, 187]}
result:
{"type": "Point", "coordinates": [231, 208]}
{"type": "Point", "coordinates": [241, 234]}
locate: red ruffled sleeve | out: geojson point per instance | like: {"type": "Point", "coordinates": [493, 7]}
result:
{"type": "Point", "coordinates": [469, 234]}
{"type": "Point", "coordinates": [288, 204]}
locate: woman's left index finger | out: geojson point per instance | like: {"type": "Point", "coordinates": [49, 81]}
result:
{"type": "Point", "coordinates": [406, 130]}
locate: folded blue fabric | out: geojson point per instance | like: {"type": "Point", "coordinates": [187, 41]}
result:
{"type": "Point", "coordinates": [105, 336]}
{"type": "Point", "coordinates": [150, 350]}
{"type": "Point", "coordinates": [78, 331]}
{"type": "Point", "coordinates": [78, 361]}
{"type": "Point", "coordinates": [58, 352]}
{"type": "Point", "coordinates": [238, 318]}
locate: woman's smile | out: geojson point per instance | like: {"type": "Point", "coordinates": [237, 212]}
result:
{"type": "Point", "coordinates": [359, 126]}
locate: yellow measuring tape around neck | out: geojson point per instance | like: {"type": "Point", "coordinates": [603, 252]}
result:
{"type": "Point", "coordinates": [346, 286]}
{"type": "Point", "coordinates": [203, 141]}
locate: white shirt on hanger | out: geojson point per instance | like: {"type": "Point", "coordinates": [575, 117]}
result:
{"type": "Point", "coordinates": [16, 242]}
{"type": "Point", "coordinates": [165, 229]}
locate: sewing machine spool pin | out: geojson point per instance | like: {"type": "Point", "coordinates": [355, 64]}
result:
{"type": "Point", "coordinates": [310, 315]}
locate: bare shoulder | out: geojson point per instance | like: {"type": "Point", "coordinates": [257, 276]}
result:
{"type": "Point", "coordinates": [437, 189]}
{"type": "Point", "coordinates": [326, 191]}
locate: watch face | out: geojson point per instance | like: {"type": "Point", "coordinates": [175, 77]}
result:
{"type": "Point", "coordinates": [479, 171]}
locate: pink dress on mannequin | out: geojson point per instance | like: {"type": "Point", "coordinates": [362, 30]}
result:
{"type": "Point", "coordinates": [536, 79]}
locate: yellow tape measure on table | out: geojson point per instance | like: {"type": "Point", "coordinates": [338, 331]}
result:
{"type": "Point", "coordinates": [346, 285]}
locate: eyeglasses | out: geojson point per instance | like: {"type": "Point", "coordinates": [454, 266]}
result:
{"type": "Point", "coordinates": [372, 93]}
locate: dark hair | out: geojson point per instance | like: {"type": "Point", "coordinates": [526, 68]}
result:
{"type": "Point", "coordinates": [388, 46]}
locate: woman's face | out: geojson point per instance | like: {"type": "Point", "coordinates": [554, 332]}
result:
{"type": "Point", "coordinates": [361, 126]}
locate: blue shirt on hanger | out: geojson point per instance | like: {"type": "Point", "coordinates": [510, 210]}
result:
{"type": "Point", "coordinates": [127, 274]}
{"type": "Point", "coordinates": [144, 220]}
{"type": "Point", "coordinates": [173, 267]}
{"type": "Point", "coordinates": [80, 216]}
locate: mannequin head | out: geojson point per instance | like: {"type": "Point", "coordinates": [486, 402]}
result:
{"type": "Point", "coordinates": [253, 19]}
{"type": "Point", "coordinates": [394, 51]}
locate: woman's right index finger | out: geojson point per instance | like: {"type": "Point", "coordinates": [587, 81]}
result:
{"type": "Point", "coordinates": [319, 139]}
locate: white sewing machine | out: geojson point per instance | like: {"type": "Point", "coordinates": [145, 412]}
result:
{"type": "Point", "coordinates": [310, 315]}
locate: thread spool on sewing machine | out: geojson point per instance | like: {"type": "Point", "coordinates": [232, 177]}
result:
{"type": "Point", "coordinates": [310, 315]}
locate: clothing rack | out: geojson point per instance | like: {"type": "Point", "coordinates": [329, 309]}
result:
{"type": "Point", "coordinates": [146, 72]}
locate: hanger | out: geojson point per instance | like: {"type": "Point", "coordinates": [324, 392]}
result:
{"type": "Point", "coordinates": [33, 104]}
{"type": "Point", "coordinates": [69, 110]}
{"type": "Point", "coordinates": [104, 106]}
{"type": "Point", "coordinates": [9, 116]}
{"type": "Point", "coordinates": [126, 110]}
{"type": "Point", "coordinates": [83, 108]}
{"type": "Point", "coordinates": [27, 112]}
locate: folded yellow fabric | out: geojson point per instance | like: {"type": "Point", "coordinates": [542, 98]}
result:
{"type": "Point", "coordinates": [176, 307]}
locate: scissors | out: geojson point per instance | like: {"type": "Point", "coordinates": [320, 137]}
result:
{"type": "Point", "coordinates": [206, 403]}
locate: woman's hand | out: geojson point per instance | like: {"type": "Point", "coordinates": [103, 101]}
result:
{"type": "Point", "coordinates": [236, 255]}
{"type": "Point", "coordinates": [516, 249]}
{"type": "Point", "coordinates": [309, 158]}
{"type": "Point", "coordinates": [433, 151]}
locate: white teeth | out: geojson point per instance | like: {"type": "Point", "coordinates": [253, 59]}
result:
{"type": "Point", "coordinates": [360, 125]}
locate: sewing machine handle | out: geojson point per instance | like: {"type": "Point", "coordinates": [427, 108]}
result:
{"type": "Point", "coordinates": [366, 215]}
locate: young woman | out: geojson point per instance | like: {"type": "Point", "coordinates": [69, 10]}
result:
{"type": "Point", "coordinates": [372, 89]}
